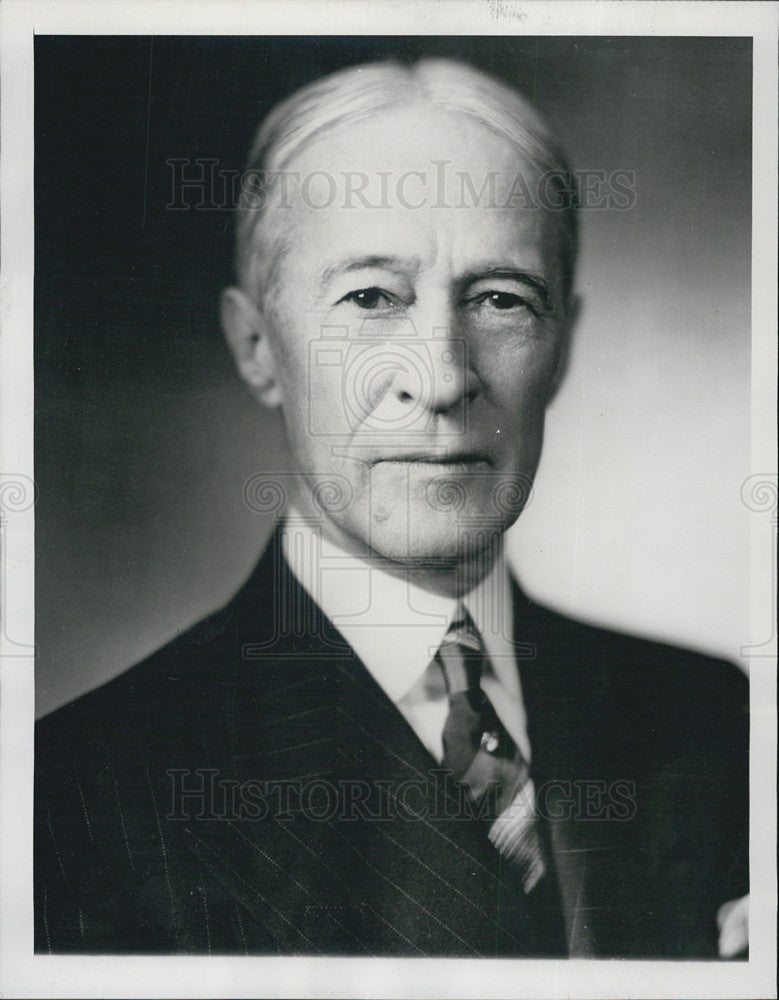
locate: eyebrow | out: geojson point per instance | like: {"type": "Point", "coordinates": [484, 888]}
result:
{"type": "Point", "coordinates": [363, 262]}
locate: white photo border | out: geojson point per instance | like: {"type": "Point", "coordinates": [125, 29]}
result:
{"type": "Point", "coordinates": [24, 974]}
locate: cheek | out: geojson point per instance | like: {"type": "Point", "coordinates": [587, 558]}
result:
{"type": "Point", "coordinates": [289, 340]}
{"type": "Point", "coordinates": [518, 377]}
{"type": "Point", "coordinates": [312, 404]}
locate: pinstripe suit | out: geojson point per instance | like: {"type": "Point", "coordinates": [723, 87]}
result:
{"type": "Point", "coordinates": [250, 789]}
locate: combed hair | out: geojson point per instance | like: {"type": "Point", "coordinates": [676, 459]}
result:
{"type": "Point", "coordinates": [359, 92]}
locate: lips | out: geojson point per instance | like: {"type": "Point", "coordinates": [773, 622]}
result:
{"type": "Point", "coordinates": [435, 458]}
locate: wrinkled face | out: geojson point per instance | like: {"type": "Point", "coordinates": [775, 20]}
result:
{"type": "Point", "coordinates": [415, 328]}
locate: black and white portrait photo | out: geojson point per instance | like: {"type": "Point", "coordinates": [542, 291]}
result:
{"type": "Point", "coordinates": [394, 491]}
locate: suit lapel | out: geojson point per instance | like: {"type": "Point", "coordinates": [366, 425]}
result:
{"type": "Point", "coordinates": [580, 752]}
{"type": "Point", "coordinates": [549, 693]}
{"type": "Point", "coordinates": [432, 866]}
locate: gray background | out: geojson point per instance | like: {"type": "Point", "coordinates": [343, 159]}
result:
{"type": "Point", "coordinates": [144, 436]}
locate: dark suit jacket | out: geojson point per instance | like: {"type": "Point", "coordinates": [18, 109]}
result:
{"type": "Point", "coordinates": [250, 789]}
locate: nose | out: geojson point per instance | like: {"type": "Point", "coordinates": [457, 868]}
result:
{"type": "Point", "coordinates": [438, 377]}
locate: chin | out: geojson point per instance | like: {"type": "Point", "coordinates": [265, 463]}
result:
{"type": "Point", "coordinates": [414, 516]}
{"type": "Point", "coordinates": [438, 540]}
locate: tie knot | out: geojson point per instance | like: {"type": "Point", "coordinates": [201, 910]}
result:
{"type": "Point", "coordinates": [462, 653]}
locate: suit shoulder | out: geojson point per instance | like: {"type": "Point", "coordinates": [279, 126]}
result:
{"type": "Point", "coordinates": [159, 690]}
{"type": "Point", "coordinates": [647, 668]}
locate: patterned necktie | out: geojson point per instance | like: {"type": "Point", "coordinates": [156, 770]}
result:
{"type": "Point", "coordinates": [482, 755]}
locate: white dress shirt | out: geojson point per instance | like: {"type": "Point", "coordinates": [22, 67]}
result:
{"type": "Point", "coordinates": [396, 627]}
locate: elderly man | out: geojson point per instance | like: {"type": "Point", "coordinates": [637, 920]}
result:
{"type": "Point", "coordinates": [381, 746]}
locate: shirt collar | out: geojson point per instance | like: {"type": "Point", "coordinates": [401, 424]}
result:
{"type": "Point", "coordinates": [394, 626]}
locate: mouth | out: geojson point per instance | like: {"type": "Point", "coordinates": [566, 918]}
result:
{"type": "Point", "coordinates": [443, 461]}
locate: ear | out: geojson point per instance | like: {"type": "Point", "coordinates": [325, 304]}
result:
{"type": "Point", "coordinates": [564, 350]}
{"type": "Point", "coordinates": [246, 331]}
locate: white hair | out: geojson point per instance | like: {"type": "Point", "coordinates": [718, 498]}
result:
{"type": "Point", "coordinates": [359, 92]}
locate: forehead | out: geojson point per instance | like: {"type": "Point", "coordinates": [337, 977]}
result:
{"type": "Point", "coordinates": [413, 179]}
{"type": "Point", "coordinates": [401, 137]}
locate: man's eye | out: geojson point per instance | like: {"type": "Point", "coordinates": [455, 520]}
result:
{"type": "Point", "coordinates": [503, 300]}
{"type": "Point", "coordinates": [368, 298]}
{"type": "Point", "coordinates": [518, 306]}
